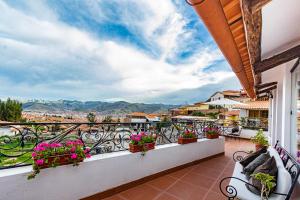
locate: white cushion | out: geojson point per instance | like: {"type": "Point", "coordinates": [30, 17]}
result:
{"type": "Point", "coordinates": [274, 153]}
{"type": "Point", "coordinates": [283, 181]}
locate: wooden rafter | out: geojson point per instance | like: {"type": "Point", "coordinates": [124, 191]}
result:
{"type": "Point", "coordinates": [253, 27]}
{"type": "Point", "coordinates": [276, 60]}
{"type": "Point", "coordinates": [266, 90]}
{"type": "Point", "coordinates": [265, 85]}
{"type": "Point", "coordinates": [256, 5]}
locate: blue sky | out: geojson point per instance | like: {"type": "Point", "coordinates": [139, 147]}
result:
{"type": "Point", "coordinates": [109, 50]}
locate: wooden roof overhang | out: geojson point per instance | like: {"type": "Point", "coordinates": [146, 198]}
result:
{"type": "Point", "coordinates": [236, 27]}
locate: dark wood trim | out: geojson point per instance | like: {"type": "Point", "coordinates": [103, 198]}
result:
{"type": "Point", "coordinates": [135, 183]}
{"type": "Point", "coordinates": [256, 5]}
{"type": "Point", "coordinates": [266, 90]}
{"type": "Point", "coordinates": [258, 87]}
{"type": "Point", "coordinates": [253, 28]}
{"type": "Point", "coordinates": [295, 65]}
{"type": "Point", "coordinates": [277, 60]}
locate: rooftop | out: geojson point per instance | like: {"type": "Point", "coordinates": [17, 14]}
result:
{"type": "Point", "coordinates": [254, 105]}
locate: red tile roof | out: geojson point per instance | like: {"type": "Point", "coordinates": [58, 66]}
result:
{"type": "Point", "coordinates": [254, 105]}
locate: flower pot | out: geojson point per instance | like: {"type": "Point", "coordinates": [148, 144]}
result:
{"type": "Point", "coordinates": [258, 146]}
{"type": "Point", "coordinates": [212, 136]}
{"type": "Point", "coordinates": [133, 148]}
{"type": "Point", "coordinates": [59, 160]}
{"type": "Point", "coordinates": [186, 140]}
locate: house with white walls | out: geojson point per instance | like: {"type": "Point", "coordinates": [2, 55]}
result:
{"type": "Point", "coordinates": [261, 42]}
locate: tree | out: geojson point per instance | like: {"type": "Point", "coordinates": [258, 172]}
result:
{"type": "Point", "coordinates": [198, 113]}
{"type": "Point", "coordinates": [10, 110]}
{"type": "Point", "coordinates": [91, 117]}
{"type": "Point", "coordinates": [107, 119]}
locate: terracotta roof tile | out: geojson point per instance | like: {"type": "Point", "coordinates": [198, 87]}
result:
{"type": "Point", "coordinates": [254, 105]}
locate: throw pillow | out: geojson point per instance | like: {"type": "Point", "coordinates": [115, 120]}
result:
{"type": "Point", "coordinates": [249, 158]}
{"type": "Point", "coordinates": [248, 170]}
{"type": "Point", "coordinates": [269, 167]}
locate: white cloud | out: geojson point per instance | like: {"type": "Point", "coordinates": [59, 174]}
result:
{"type": "Point", "coordinates": [57, 60]}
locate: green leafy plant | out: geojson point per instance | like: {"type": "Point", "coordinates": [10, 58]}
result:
{"type": "Point", "coordinates": [260, 138]}
{"type": "Point", "coordinates": [188, 134]}
{"type": "Point", "coordinates": [211, 130]}
{"type": "Point", "coordinates": [141, 139]}
{"type": "Point", "coordinates": [268, 183]}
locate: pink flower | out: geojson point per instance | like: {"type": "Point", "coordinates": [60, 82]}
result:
{"type": "Point", "coordinates": [38, 148]}
{"type": "Point", "coordinates": [136, 138]}
{"type": "Point", "coordinates": [86, 150]}
{"type": "Point", "coordinates": [73, 155]}
{"type": "Point", "coordinates": [55, 145]}
{"type": "Point", "coordinates": [79, 142]}
{"type": "Point", "coordinates": [34, 154]}
{"type": "Point", "coordinates": [88, 155]}
{"type": "Point", "coordinates": [73, 149]}
{"type": "Point", "coordinates": [69, 143]}
{"type": "Point", "coordinates": [39, 162]}
{"type": "Point", "coordinates": [43, 144]}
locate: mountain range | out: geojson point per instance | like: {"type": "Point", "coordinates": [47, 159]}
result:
{"type": "Point", "coordinates": [119, 107]}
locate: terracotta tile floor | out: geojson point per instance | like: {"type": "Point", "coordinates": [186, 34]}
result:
{"type": "Point", "coordinates": [198, 182]}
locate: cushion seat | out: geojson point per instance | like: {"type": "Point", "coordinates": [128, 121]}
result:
{"type": "Point", "coordinates": [283, 181]}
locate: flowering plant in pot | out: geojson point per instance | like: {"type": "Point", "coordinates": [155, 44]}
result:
{"type": "Point", "coordinates": [142, 142]}
{"type": "Point", "coordinates": [212, 132]}
{"type": "Point", "coordinates": [47, 155]}
{"type": "Point", "coordinates": [260, 140]}
{"type": "Point", "coordinates": [187, 137]}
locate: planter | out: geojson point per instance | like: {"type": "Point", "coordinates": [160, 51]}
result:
{"type": "Point", "coordinates": [133, 148]}
{"type": "Point", "coordinates": [186, 140]}
{"type": "Point", "coordinates": [59, 160]}
{"type": "Point", "coordinates": [258, 146]}
{"type": "Point", "coordinates": [212, 136]}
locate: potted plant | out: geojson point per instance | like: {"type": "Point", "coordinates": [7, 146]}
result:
{"type": "Point", "coordinates": [142, 142]}
{"type": "Point", "coordinates": [268, 183]}
{"type": "Point", "coordinates": [212, 132]}
{"type": "Point", "coordinates": [47, 155]}
{"type": "Point", "coordinates": [187, 137]}
{"type": "Point", "coordinates": [260, 140]}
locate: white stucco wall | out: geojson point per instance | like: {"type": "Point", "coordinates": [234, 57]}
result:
{"type": "Point", "coordinates": [281, 104]}
{"type": "Point", "coordinates": [217, 96]}
{"type": "Point", "coordinates": [101, 172]}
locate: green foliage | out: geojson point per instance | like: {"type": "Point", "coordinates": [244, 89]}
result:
{"type": "Point", "coordinates": [91, 117]}
{"type": "Point", "coordinates": [188, 134]}
{"type": "Point", "coordinates": [10, 110]}
{"type": "Point", "coordinates": [198, 113]}
{"type": "Point", "coordinates": [213, 115]}
{"type": "Point", "coordinates": [268, 183]}
{"type": "Point", "coordinates": [260, 138]}
{"type": "Point", "coordinates": [107, 119]}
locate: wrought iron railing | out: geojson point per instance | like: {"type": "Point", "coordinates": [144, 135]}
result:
{"type": "Point", "coordinates": [254, 123]}
{"type": "Point", "coordinates": [17, 140]}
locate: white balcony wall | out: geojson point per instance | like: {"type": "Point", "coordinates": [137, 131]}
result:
{"type": "Point", "coordinates": [101, 172]}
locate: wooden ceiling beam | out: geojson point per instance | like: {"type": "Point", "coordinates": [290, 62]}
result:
{"type": "Point", "coordinates": [266, 90]}
{"type": "Point", "coordinates": [253, 27]}
{"type": "Point", "coordinates": [276, 60]}
{"type": "Point", "coordinates": [256, 5]}
{"type": "Point", "coordinates": [261, 86]}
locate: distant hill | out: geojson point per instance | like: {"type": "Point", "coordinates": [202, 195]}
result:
{"type": "Point", "coordinates": [119, 107]}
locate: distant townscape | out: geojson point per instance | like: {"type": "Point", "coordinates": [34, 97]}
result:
{"type": "Point", "coordinates": [247, 112]}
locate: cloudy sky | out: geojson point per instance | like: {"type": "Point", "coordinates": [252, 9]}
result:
{"type": "Point", "coordinates": [110, 50]}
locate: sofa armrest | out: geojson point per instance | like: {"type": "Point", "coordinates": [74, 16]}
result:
{"type": "Point", "coordinates": [239, 155]}
{"type": "Point", "coordinates": [230, 192]}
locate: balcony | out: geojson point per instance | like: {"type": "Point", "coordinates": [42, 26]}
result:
{"type": "Point", "coordinates": [170, 171]}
